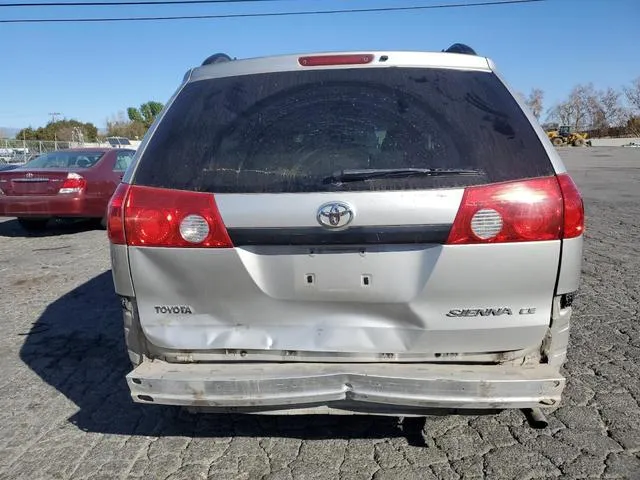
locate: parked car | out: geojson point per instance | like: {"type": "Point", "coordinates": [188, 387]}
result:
{"type": "Point", "coordinates": [73, 183]}
{"type": "Point", "coordinates": [6, 155]}
{"type": "Point", "coordinates": [7, 166]}
{"type": "Point", "coordinates": [381, 232]}
{"type": "Point", "coordinates": [118, 142]}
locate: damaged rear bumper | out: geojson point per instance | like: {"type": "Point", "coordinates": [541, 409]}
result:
{"type": "Point", "coordinates": [370, 388]}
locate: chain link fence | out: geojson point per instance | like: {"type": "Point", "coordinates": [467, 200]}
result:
{"type": "Point", "coordinates": [15, 151]}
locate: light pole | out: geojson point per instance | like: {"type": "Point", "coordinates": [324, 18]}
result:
{"type": "Point", "coordinates": [55, 134]}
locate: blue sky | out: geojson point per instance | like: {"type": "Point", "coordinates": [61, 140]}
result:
{"type": "Point", "coordinates": [92, 71]}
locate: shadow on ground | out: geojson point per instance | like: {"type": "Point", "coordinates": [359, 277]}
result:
{"type": "Point", "coordinates": [11, 228]}
{"type": "Point", "coordinates": [77, 346]}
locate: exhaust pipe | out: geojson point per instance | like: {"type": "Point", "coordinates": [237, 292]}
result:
{"type": "Point", "coordinates": [536, 418]}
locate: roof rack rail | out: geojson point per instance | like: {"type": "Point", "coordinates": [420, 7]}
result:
{"type": "Point", "coordinates": [460, 48]}
{"type": "Point", "coordinates": [217, 58]}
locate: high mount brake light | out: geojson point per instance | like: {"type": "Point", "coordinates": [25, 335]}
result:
{"type": "Point", "coordinates": [74, 183]}
{"type": "Point", "coordinates": [548, 208]}
{"type": "Point", "coordinates": [157, 217]}
{"type": "Point", "coordinates": [327, 60]}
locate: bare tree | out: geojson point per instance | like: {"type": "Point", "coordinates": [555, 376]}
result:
{"type": "Point", "coordinates": [633, 95]}
{"type": "Point", "coordinates": [560, 114]}
{"type": "Point", "coordinates": [633, 126]}
{"type": "Point", "coordinates": [611, 109]}
{"type": "Point", "coordinates": [574, 111]}
{"type": "Point", "coordinates": [584, 100]}
{"type": "Point", "coordinates": [535, 102]}
{"type": "Point", "coordinates": [603, 111]}
{"type": "Point", "coordinates": [588, 108]}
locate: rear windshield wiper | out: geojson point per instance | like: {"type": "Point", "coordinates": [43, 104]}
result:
{"type": "Point", "coordinates": [358, 175]}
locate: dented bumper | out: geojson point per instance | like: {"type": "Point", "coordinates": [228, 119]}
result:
{"type": "Point", "coordinates": [371, 388]}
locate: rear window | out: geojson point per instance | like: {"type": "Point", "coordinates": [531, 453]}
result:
{"type": "Point", "coordinates": [62, 159]}
{"type": "Point", "coordinates": [291, 131]}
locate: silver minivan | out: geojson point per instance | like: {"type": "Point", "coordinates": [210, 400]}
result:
{"type": "Point", "coordinates": [380, 232]}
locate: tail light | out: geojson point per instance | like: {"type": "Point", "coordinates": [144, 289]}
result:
{"type": "Point", "coordinates": [156, 217]}
{"type": "Point", "coordinates": [547, 208]}
{"type": "Point", "coordinates": [573, 207]}
{"type": "Point", "coordinates": [74, 183]}
{"type": "Point", "coordinates": [115, 215]}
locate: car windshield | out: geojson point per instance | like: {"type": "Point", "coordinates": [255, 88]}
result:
{"type": "Point", "coordinates": [66, 159]}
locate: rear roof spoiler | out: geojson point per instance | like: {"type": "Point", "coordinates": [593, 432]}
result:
{"type": "Point", "coordinates": [455, 48]}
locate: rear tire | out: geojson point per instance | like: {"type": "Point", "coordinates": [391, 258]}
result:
{"type": "Point", "coordinates": [100, 223]}
{"type": "Point", "coordinates": [33, 224]}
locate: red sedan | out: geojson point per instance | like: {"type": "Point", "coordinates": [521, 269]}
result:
{"type": "Point", "coordinates": [76, 183]}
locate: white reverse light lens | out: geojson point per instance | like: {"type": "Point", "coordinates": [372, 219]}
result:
{"type": "Point", "coordinates": [486, 223]}
{"type": "Point", "coordinates": [194, 229]}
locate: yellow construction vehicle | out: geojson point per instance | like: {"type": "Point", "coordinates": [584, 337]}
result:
{"type": "Point", "coordinates": [566, 135]}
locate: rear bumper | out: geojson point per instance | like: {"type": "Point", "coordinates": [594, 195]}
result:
{"type": "Point", "coordinates": [371, 388]}
{"type": "Point", "coordinates": [45, 206]}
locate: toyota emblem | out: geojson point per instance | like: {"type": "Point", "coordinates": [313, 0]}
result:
{"type": "Point", "coordinates": [28, 175]}
{"type": "Point", "coordinates": [335, 215]}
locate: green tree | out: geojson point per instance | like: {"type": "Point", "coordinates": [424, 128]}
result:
{"type": "Point", "coordinates": [146, 114]}
{"type": "Point", "coordinates": [62, 130]}
{"type": "Point", "coordinates": [26, 133]}
{"type": "Point", "coordinates": [134, 115]}
{"type": "Point", "coordinates": [137, 121]}
{"type": "Point", "coordinates": [121, 127]}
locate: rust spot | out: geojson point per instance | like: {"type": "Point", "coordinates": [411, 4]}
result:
{"type": "Point", "coordinates": [198, 395]}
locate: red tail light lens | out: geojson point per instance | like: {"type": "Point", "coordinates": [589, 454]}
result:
{"type": "Point", "coordinates": [326, 60]}
{"type": "Point", "coordinates": [115, 215]}
{"type": "Point", "coordinates": [156, 217]}
{"type": "Point", "coordinates": [525, 211]}
{"type": "Point", "coordinates": [573, 207]}
{"type": "Point", "coordinates": [74, 183]}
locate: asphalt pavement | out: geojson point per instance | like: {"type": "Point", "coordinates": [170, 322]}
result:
{"type": "Point", "coordinates": [65, 411]}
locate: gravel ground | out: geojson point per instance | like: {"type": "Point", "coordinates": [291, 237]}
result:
{"type": "Point", "coordinates": [65, 410]}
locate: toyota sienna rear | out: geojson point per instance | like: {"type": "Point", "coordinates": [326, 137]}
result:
{"type": "Point", "coordinates": [381, 232]}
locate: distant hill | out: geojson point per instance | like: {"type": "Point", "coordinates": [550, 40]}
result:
{"type": "Point", "coordinates": [8, 132]}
